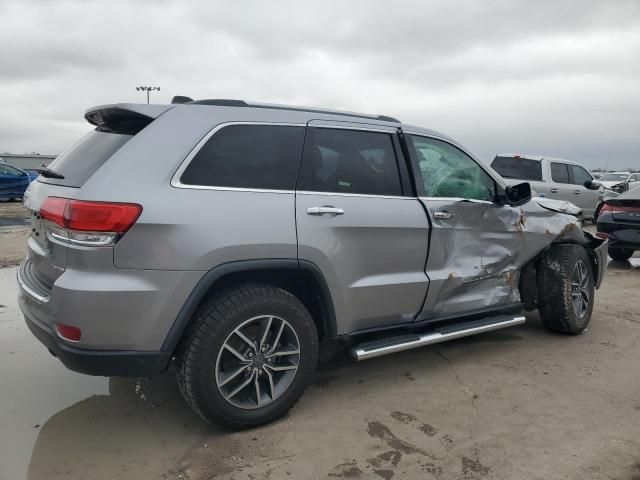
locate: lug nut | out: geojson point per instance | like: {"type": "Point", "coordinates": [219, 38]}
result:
{"type": "Point", "coordinates": [250, 354]}
{"type": "Point", "coordinates": [263, 349]}
{"type": "Point", "coordinates": [248, 369]}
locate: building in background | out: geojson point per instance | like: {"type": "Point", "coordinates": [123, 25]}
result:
{"type": "Point", "coordinates": [27, 161]}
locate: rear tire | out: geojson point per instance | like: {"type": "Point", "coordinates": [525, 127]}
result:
{"type": "Point", "coordinates": [218, 356]}
{"type": "Point", "coordinates": [621, 254]}
{"type": "Point", "coordinates": [566, 289]}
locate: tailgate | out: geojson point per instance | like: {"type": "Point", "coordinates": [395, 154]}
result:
{"type": "Point", "coordinates": [46, 260]}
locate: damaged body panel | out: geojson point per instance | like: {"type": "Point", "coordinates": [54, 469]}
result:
{"type": "Point", "coordinates": [477, 252]}
{"type": "Point", "coordinates": [479, 243]}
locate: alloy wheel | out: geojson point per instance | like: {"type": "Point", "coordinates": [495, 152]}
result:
{"type": "Point", "coordinates": [257, 362]}
{"type": "Point", "coordinates": [580, 294]}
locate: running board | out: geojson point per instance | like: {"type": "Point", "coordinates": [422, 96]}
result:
{"type": "Point", "coordinates": [385, 346]}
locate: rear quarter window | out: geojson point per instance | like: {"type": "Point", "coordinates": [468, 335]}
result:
{"type": "Point", "coordinates": [520, 168]}
{"type": "Point", "coordinates": [248, 156]}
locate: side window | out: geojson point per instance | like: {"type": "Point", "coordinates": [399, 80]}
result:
{"type": "Point", "coordinates": [248, 156]}
{"type": "Point", "coordinates": [559, 172]}
{"type": "Point", "coordinates": [349, 161]}
{"type": "Point", "coordinates": [449, 172]}
{"type": "Point", "coordinates": [580, 175]}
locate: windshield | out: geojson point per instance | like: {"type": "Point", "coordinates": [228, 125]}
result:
{"type": "Point", "coordinates": [614, 177]}
{"type": "Point", "coordinates": [516, 167]}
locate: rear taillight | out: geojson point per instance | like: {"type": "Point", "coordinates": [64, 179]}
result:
{"type": "Point", "coordinates": [613, 208]}
{"type": "Point", "coordinates": [88, 223]}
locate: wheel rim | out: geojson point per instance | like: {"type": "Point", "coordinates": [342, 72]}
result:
{"type": "Point", "coordinates": [580, 294]}
{"type": "Point", "coordinates": [257, 362]}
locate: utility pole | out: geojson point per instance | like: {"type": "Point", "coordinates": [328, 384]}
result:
{"type": "Point", "coordinates": [147, 89]}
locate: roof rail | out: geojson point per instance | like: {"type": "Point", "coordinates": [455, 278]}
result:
{"type": "Point", "coordinates": [221, 102]}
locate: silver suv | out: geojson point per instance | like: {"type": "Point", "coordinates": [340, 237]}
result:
{"type": "Point", "coordinates": [236, 243]}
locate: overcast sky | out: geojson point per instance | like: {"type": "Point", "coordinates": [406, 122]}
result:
{"type": "Point", "coordinates": [558, 78]}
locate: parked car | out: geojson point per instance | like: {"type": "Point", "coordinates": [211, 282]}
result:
{"type": "Point", "coordinates": [615, 184]}
{"type": "Point", "coordinates": [620, 181]}
{"type": "Point", "coordinates": [13, 182]}
{"type": "Point", "coordinates": [552, 178]}
{"type": "Point", "coordinates": [237, 242]}
{"type": "Point", "coordinates": [619, 222]}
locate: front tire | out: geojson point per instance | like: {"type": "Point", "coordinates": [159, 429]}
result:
{"type": "Point", "coordinates": [248, 357]}
{"type": "Point", "coordinates": [566, 289]}
{"type": "Point", "coordinates": [621, 254]}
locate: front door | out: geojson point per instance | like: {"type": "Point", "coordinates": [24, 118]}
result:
{"type": "Point", "coordinates": [560, 187]}
{"type": "Point", "coordinates": [360, 226]}
{"type": "Point", "coordinates": [583, 197]}
{"type": "Point", "coordinates": [474, 240]}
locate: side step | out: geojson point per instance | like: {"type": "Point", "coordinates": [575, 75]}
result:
{"type": "Point", "coordinates": [385, 346]}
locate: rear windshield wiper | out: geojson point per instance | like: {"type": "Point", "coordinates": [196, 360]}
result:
{"type": "Point", "coordinates": [51, 174]}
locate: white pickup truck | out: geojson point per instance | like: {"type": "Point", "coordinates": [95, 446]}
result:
{"type": "Point", "coordinates": [552, 178]}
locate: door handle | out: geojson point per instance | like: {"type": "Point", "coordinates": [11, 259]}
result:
{"type": "Point", "coordinates": [440, 215]}
{"type": "Point", "coordinates": [326, 210]}
{"type": "Point", "coordinates": [577, 192]}
{"type": "Point", "coordinates": [554, 190]}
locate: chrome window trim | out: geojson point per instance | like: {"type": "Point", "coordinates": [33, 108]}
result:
{"type": "Point", "coordinates": [364, 195]}
{"type": "Point", "coordinates": [378, 129]}
{"type": "Point", "coordinates": [175, 179]}
{"type": "Point", "coordinates": [459, 199]}
{"type": "Point", "coordinates": [176, 183]}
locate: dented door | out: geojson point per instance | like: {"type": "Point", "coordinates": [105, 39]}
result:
{"type": "Point", "coordinates": [474, 239]}
{"type": "Point", "coordinates": [472, 256]}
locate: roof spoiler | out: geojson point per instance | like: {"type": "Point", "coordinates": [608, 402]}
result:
{"type": "Point", "coordinates": [124, 118]}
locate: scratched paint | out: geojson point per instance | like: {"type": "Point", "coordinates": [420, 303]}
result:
{"type": "Point", "coordinates": [476, 255]}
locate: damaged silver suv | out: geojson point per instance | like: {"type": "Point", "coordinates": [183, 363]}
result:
{"type": "Point", "coordinates": [237, 243]}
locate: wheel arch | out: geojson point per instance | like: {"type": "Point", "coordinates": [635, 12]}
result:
{"type": "Point", "coordinates": [528, 284]}
{"type": "Point", "coordinates": [301, 278]}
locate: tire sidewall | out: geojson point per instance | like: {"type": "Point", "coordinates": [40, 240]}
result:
{"type": "Point", "coordinates": [300, 321]}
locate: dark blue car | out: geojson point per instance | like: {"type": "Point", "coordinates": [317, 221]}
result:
{"type": "Point", "coordinates": [13, 181]}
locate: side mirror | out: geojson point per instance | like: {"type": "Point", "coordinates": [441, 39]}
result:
{"type": "Point", "coordinates": [592, 184]}
{"type": "Point", "coordinates": [518, 194]}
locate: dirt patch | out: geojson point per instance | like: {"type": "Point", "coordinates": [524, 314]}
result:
{"type": "Point", "coordinates": [14, 230]}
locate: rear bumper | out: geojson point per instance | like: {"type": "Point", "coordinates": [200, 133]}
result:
{"type": "Point", "coordinates": [621, 235]}
{"type": "Point", "coordinates": [107, 363]}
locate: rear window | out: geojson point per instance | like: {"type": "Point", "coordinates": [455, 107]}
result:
{"type": "Point", "coordinates": [248, 156]}
{"type": "Point", "coordinates": [520, 168]}
{"type": "Point", "coordinates": [84, 158]}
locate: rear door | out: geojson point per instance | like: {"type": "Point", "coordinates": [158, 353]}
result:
{"type": "Point", "coordinates": [360, 223]}
{"type": "Point", "coordinates": [560, 187]}
{"type": "Point", "coordinates": [584, 198]}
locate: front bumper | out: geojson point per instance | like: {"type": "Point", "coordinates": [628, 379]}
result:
{"type": "Point", "coordinates": [107, 363]}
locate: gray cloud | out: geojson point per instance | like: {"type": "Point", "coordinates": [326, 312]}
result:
{"type": "Point", "coordinates": [558, 78]}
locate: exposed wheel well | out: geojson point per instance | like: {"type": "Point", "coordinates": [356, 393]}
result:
{"type": "Point", "coordinates": [528, 278]}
